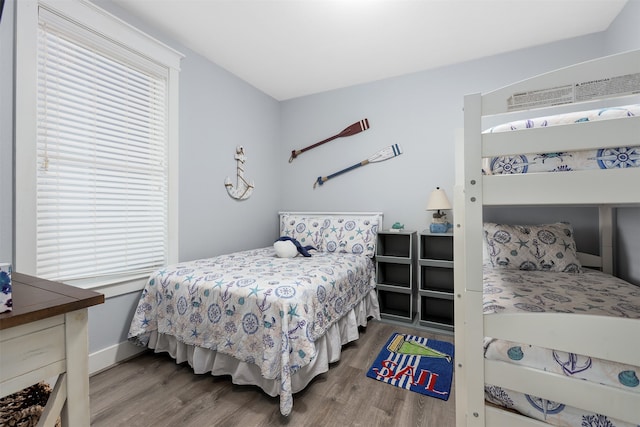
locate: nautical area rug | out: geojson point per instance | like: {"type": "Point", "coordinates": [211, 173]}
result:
{"type": "Point", "coordinates": [415, 363]}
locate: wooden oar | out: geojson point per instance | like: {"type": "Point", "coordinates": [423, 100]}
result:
{"type": "Point", "coordinates": [384, 154]}
{"type": "Point", "coordinates": [355, 128]}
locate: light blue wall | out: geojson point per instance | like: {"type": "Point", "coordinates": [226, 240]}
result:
{"type": "Point", "coordinates": [624, 32]}
{"type": "Point", "coordinates": [420, 111]}
{"type": "Point", "coordinates": [624, 35]}
{"type": "Point", "coordinates": [219, 111]}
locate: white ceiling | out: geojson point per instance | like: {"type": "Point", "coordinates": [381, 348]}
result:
{"type": "Point", "coordinates": [291, 48]}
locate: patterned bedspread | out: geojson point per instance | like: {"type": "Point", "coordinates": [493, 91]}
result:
{"type": "Point", "coordinates": [604, 158]}
{"type": "Point", "coordinates": [591, 292]}
{"type": "Point", "coordinates": [254, 306]}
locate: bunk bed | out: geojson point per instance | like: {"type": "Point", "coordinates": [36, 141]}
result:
{"type": "Point", "coordinates": [267, 321]}
{"type": "Point", "coordinates": [612, 81]}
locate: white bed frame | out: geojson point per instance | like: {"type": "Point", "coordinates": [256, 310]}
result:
{"type": "Point", "coordinates": [596, 336]}
{"type": "Point", "coordinates": [375, 216]}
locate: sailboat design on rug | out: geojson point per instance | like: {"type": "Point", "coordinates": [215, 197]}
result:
{"type": "Point", "coordinates": [417, 364]}
{"type": "Point", "coordinates": [400, 345]}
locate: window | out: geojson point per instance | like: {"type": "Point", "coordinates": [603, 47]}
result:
{"type": "Point", "coordinates": [99, 165]}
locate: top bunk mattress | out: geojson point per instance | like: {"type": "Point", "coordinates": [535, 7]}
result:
{"type": "Point", "coordinates": [602, 158]}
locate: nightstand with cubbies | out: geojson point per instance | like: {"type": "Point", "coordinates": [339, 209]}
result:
{"type": "Point", "coordinates": [395, 276]}
{"type": "Point", "coordinates": [435, 280]}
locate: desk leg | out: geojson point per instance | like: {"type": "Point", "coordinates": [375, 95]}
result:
{"type": "Point", "coordinates": [76, 411]}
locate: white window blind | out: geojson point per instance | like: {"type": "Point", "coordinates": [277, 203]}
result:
{"type": "Point", "coordinates": [102, 178]}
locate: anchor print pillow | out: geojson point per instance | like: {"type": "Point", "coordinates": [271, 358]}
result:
{"type": "Point", "coordinates": [546, 247]}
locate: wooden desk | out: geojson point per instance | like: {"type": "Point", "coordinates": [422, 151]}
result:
{"type": "Point", "coordinates": [46, 335]}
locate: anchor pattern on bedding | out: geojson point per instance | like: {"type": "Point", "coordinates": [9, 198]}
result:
{"type": "Point", "coordinates": [590, 292]}
{"type": "Point", "coordinates": [603, 158]}
{"type": "Point", "coordinates": [546, 247]}
{"type": "Point", "coordinates": [254, 306]}
{"type": "Point", "coordinates": [551, 412]}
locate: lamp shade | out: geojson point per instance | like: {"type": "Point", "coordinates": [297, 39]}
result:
{"type": "Point", "coordinates": [438, 200]}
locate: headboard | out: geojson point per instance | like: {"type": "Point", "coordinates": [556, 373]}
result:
{"type": "Point", "coordinates": [340, 232]}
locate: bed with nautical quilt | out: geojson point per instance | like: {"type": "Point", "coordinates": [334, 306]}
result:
{"type": "Point", "coordinates": [590, 292]}
{"type": "Point", "coordinates": [267, 321]}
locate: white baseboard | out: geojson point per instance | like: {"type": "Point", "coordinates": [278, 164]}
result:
{"type": "Point", "coordinates": [110, 356]}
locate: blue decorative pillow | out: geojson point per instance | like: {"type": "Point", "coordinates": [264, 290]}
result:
{"type": "Point", "coordinates": [546, 247]}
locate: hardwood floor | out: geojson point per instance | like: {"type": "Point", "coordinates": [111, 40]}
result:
{"type": "Point", "coordinates": [152, 390]}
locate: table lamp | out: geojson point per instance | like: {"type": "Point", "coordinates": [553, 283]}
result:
{"type": "Point", "coordinates": [438, 202]}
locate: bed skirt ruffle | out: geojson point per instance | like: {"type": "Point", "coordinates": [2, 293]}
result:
{"type": "Point", "coordinates": [203, 360]}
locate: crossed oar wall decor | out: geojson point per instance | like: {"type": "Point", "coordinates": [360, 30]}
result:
{"type": "Point", "coordinates": [384, 154]}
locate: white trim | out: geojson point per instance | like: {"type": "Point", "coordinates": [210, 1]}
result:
{"type": "Point", "coordinates": [378, 215]}
{"type": "Point", "coordinates": [110, 290]}
{"type": "Point", "coordinates": [98, 21]}
{"type": "Point", "coordinates": [102, 22]}
{"type": "Point", "coordinates": [330, 213]}
{"type": "Point", "coordinates": [173, 158]}
{"type": "Point", "coordinates": [111, 356]}
{"type": "Point", "coordinates": [25, 119]}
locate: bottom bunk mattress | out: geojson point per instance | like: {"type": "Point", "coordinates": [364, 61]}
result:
{"type": "Point", "coordinates": [591, 292]}
{"type": "Point", "coordinates": [268, 321]}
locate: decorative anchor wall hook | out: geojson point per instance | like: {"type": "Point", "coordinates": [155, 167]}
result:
{"type": "Point", "coordinates": [243, 188]}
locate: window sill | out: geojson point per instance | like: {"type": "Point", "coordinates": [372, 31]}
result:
{"type": "Point", "coordinates": [114, 286]}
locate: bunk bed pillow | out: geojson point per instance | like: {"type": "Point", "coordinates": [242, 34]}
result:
{"type": "Point", "coordinates": [545, 247]}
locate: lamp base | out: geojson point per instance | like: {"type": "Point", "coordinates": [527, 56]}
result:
{"type": "Point", "coordinates": [440, 227]}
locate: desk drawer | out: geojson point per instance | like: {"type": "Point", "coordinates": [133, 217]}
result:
{"type": "Point", "coordinates": [22, 354]}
